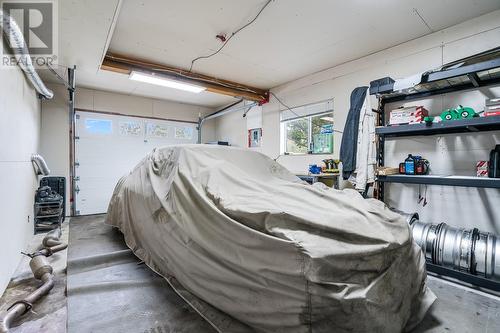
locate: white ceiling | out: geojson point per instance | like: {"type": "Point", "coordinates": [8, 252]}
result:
{"type": "Point", "coordinates": [292, 38]}
{"type": "Point", "coordinates": [84, 29]}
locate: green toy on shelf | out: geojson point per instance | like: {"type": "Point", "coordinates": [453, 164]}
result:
{"type": "Point", "coordinates": [459, 113]}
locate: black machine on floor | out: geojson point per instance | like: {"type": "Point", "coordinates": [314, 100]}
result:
{"type": "Point", "coordinates": [49, 207]}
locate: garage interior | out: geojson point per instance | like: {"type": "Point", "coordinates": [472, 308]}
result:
{"type": "Point", "coordinates": [250, 166]}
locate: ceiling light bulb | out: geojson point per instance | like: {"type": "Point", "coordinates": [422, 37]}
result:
{"type": "Point", "coordinates": [165, 82]}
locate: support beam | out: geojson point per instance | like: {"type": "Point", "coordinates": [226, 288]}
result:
{"type": "Point", "coordinates": [474, 78]}
{"type": "Point", "coordinates": [125, 65]}
{"type": "Point", "coordinates": [71, 106]}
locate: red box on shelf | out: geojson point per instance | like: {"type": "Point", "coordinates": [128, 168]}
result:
{"type": "Point", "coordinates": [408, 115]}
{"type": "Point", "coordinates": [482, 169]}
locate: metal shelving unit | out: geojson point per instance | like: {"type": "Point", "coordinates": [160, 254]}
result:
{"type": "Point", "coordinates": [467, 74]}
{"type": "Point", "coordinates": [471, 73]}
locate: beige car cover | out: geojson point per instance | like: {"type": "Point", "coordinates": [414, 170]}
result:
{"type": "Point", "coordinates": [245, 235]}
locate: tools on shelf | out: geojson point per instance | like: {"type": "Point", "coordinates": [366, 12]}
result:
{"type": "Point", "coordinates": [329, 166]}
{"type": "Point", "coordinates": [327, 173]}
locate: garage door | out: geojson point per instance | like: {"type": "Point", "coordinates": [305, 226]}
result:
{"type": "Point", "coordinates": [109, 146]}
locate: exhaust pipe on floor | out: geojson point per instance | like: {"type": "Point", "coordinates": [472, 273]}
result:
{"type": "Point", "coordinates": [41, 270]}
{"type": "Point", "coordinates": [466, 250]}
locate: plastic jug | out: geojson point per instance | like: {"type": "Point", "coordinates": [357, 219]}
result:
{"type": "Point", "coordinates": [410, 165]}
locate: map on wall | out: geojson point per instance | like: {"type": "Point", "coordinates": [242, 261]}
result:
{"type": "Point", "coordinates": [156, 131]}
{"type": "Point", "coordinates": [184, 133]}
{"type": "Point", "coordinates": [130, 128]}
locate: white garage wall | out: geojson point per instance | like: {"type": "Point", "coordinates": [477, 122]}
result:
{"type": "Point", "coordinates": [19, 135]}
{"type": "Point", "coordinates": [421, 54]}
{"type": "Point", "coordinates": [55, 120]}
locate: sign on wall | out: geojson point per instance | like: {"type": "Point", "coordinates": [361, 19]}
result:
{"type": "Point", "coordinates": [156, 131]}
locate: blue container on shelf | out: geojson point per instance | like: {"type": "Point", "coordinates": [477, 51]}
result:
{"type": "Point", "coordinates": [314, 169]}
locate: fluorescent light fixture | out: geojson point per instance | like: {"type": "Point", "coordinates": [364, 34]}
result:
{"type": "Point", "coordinates": [163, 81]}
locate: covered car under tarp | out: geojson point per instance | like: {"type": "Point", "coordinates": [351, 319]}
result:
{"type": "Point", "coordinates": [245, 235]}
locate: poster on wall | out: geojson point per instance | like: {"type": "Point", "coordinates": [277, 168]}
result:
{"type": "Point", "coordinates": [156, 131]}
{"type": "Point", "coordinates": [254, 137]}
{"type": "Point", "coordinates": [98, 126]}
{"type": "Point", "coordinates": [130, 128]}
{"type": "Point", "coordinates": [184, 133]}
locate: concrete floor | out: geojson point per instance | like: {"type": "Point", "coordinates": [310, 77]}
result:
{"type": "Point", "coordinates": [460, 309]}
{"type": "Point", "coordinates": [109, 290]}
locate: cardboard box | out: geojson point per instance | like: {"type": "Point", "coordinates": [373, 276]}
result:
{"type": "Point", "coordinates": [482, 169]}
{"type": "Point", "coordinates": [493, 102]}
{"type": "Point", "coordinates": [408, 115]}
{"type": "Point", "coordinates": [492, 110]}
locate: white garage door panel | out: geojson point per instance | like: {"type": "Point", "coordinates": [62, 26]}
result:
{"type": "Point", "coordinates": [109, 146]}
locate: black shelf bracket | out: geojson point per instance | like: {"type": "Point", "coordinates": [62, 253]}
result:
{"type": "Point", "coordinates": [466, 277]}
{"type": "Point", "coordinates": [478, 124]}
{"type": "Point", "coordinates": [479, 182]}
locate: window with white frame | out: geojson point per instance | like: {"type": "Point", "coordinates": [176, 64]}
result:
{"type": "Point", "coordinates": [308, 129]}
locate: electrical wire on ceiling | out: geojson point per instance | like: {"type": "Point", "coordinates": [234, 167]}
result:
{"type": "Point", "coordinates": [230, 37]}
{"type": "Point", "coordinates": [295, 113]}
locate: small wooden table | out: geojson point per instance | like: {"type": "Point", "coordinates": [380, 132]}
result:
{"type": "Point", "coordinates": [312, 178]}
